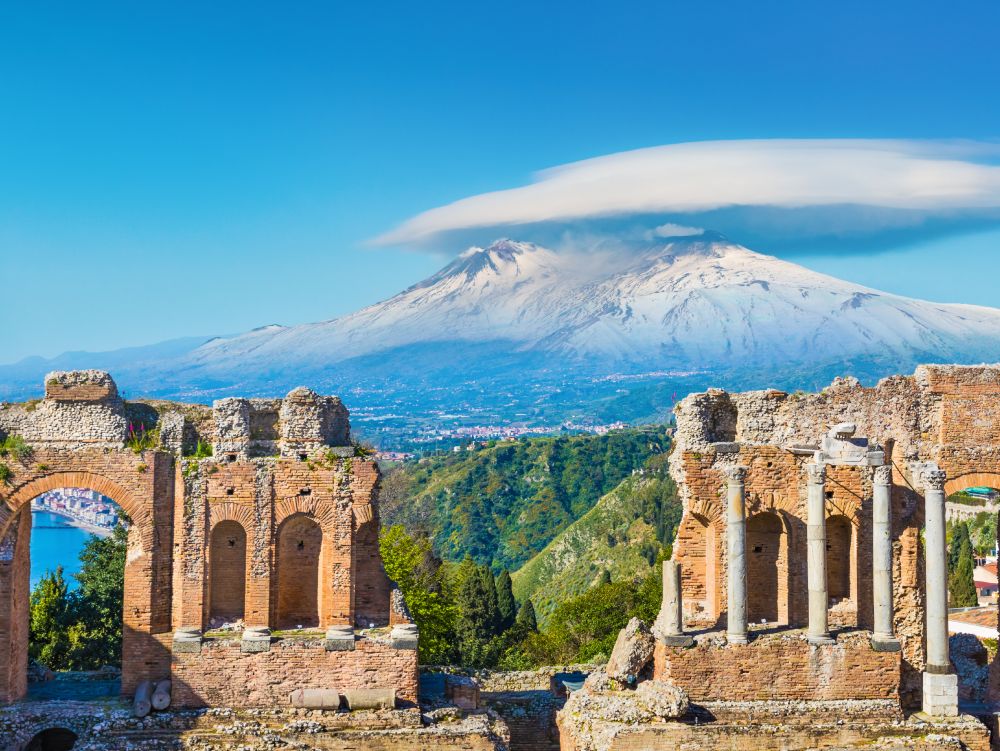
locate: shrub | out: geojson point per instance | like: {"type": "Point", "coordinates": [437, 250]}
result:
{"type": "Point", "coordinates": [15, 446]}
{"type": "Point", "coordinates": [6, 473]}
{"type": "Point", "coordinates": [139, 439]}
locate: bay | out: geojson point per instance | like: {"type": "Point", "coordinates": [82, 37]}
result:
{"type": "Point", "coordinates": [55, 542]}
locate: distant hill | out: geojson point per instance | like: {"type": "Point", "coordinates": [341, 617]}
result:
{"type": "Point", "coordinates": [503, 503]}
{"type": "Point", "coordinates": [619, 538]}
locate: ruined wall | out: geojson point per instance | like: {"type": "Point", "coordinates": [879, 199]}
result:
{"type": "Point", "coordinates": [945, 414]}
{"type": "Point", "coordinates": [266, 679]}
{"type": "Point", "coordinates": [775, 668]}
{"type": "Point", "coordinates": [272, 463]}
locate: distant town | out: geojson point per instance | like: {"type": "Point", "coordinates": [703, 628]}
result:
{"type": "Point", "coordinates": [84, 508]}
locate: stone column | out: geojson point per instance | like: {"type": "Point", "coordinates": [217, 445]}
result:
{"type": "Point", "coordinates": [819, 600]}
{"type": "Point", "coordinates": [669, 626]}
{"type": "Point", "coordinates": [882, 639]}
{"type": "Point", "coordinates": [736, 543]}
{"type": "Point", "coordinates": [940, 684]}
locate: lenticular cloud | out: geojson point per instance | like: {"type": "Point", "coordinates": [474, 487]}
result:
{"type": "Point", "coordinates": [927, 177]}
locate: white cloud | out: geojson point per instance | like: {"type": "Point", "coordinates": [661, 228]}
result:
{"type": "Point", "coordinates": [927, 177]}
{"type": "Point", "coordinates": [676, 230]}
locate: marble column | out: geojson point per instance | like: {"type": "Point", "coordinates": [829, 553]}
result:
{"type": "Point", "coordinates": [669, 626]}
{"type": "Point", "coordinates": [819, 599]}
{"type": "Point", "coordinates": [940, 696]}
{"type": "Point", "coordinates": [883, 639]}
{"type": "Point", "coordinates": [736, 546]}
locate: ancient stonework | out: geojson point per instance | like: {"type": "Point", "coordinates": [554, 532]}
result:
{"type": "Point", "coordinates": [274, 533]}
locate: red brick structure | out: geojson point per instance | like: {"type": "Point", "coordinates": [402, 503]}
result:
{"type": "Point", "coordinates": [942, 419]}
{"type": "Point", "coordinates": [276, 529]}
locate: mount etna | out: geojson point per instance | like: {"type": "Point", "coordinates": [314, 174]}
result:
{"type": "Point", "coordinates": [515, 332]}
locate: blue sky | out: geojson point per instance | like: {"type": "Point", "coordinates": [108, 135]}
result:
{"type": "Point", "coordinates": [173, 169]}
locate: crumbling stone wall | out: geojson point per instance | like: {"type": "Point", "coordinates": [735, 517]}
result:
{"type": "Point", "coordinates": [945, 414]}
{"type": "Point", "coordinates": [272, 461]}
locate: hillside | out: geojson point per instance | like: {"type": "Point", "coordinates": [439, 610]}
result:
{"type": "Point", "coordinates": [504, 502]}
{"type": "Point", "coordinates": [619, 538]}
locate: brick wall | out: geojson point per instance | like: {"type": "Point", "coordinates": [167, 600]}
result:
{"type": "Point", "coordinates": [222, 675]}
{"type": "Point", "coordinates": [778, 668]}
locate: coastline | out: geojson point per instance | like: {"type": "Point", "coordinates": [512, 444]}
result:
{"type": "Point", "coordinates": [75, 522]}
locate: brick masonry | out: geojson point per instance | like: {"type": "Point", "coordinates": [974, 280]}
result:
{"type": "Point", "coordinates": [278, 528]}
{"type": "Point", "coordinates": [942, 413]}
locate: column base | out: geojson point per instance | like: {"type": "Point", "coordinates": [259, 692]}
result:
{"type": "Point", "coordinates": [821, 640]}
{"type": "Point", "coordinates": [187, 640]}
{"type": "Point", "coordinates": [940, 695]}
{"type": "Point", "coordinates": [678, 640]}
{"type": "Point", "coordinates": [885, 643]}
{"type": "Point", "coordinates": [256, 639]}
{"type": "Point", "coordinates": [737, 639]}
{"type": "Point", "coordinates": [340, 639]}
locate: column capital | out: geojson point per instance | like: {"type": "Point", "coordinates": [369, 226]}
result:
{"type": "Point", "coordinates": [883, 475]}
{"type": "Point", "coordinates": [931, 476]}
{"type": "Point", "coordinates": [816, 473]}
{"type": "Point", "coordinates": [736, 474]}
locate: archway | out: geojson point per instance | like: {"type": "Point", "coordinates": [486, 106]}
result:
{"type": "Point", "coordinates": [52, 739]}
{"type": "Point", "coordinates": [227, 573]}
{"type": "Point", "coordinates": [300, 544]}
{"type": "Point", "coordinates": [141, 578]}
{"type": "Point", "coordinates": [767, 566]}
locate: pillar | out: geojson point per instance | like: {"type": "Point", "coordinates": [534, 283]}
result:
{"type": "Point", "coordinates": [736, 544]}
{"type": "Point", "coordinates": [669, 627]}
{"type": "Point", "coordinates": [940, 696]}
{"type": "Point", "coordinates": [819, 599]}
{"type": "Point", "coordinates": [883, 639]}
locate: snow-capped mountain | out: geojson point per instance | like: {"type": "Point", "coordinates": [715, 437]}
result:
{"type": "Point", "coordinates": [517, 332]}
{"type": "Point", "coordinates": [701, 303]}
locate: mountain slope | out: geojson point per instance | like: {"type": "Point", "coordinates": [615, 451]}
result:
{"type": "Point", "coordinates": [502, 503]}
{"type": "Point", "coordinates": [619, 537]}
{"type": "Point", "coordinates": [692, 303]}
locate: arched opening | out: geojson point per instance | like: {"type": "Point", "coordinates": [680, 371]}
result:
{"type": "Point", "coordinates": [227, 574]}
{"type": "Point", "coordinates": [839, 532]}
{"type": "Point", "coordinates": [52, 739]}
{"type": "Point", "coordinates": [767, 565]}
{"type": "Point", "coordinates": [63, 560]}
{"type": "Point", "coordinates": [973, 501]}
{"type": "Point", "coordinates": [300, 542]}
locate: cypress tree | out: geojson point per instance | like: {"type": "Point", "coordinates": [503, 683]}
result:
{"type": "Point", "coordinates": [506, 604]}
{"type": "Point", "coordinates": [526, 617]}
{"type": "Point", "coordinates": [962, 585]}
{"type": "Point", "coordinates": [959, 537]}
{"type": "Point", "coordinates": [491, 605]}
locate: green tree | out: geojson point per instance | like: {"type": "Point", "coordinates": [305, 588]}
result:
{"type": "Point", "coordinates": [48, 639]}
{"type": "Point", "coordinates": [959, 537]}
{"type": "Point", "coordinates": [962, 587]}
{"type": "Point", "coordinates": [412, 565]}
{"type": "Point", "coordinates": [526, 617]}
{"type": "Point", "coordinates": [96, 631]}
{"type": "Point", "coordinates": [477, 618]}
{"type": "Point", "coordinates": [506, 604]}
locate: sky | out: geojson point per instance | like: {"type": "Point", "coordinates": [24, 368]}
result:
{"type": "Point", "coordinates": [174, 169]}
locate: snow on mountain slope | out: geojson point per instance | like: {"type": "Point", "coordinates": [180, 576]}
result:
{"type": "Point", "coordinates": [700, 302]}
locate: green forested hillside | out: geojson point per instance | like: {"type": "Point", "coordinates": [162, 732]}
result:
{"type": "Point", "coordinates": [503, 503]}
{"type": "Point", "coordinates": [619, 539]}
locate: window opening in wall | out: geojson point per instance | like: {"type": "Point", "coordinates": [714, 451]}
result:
{"type": "Point", "coordinates": [230, 491]}
{"type": "Point", "coordinates": [305, 491]}
{"type": "Point", "coordinates": [77, 548]}
{"type": "Point", "coordinates": [230, 458]}
{"type": "Point", "coordinates": [303, 456]}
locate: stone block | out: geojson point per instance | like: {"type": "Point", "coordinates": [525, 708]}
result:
{"type": "Point", "coordinates": [940, 695]}
{"type": "Point", "coordinates": [340, 639]}
{"type": "Point", "coordinates": [256, 639]}
{"type": "Point", "coordinates": [632, 652]}
{"type": "Point", "coordinates": [405, 636]}
{"type": "Point", "coordinates": [370, 698]}
{"type": "Point", "coordinates": [187, 641]}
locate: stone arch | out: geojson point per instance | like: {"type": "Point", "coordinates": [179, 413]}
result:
{"type": "Point", "coordinates": [298, 555]}
{"type": "Point", "coordinates": [971, 480]}
{"type": "Point", "coordinates": [767, 568]}
{"type": "Point", "coordinates": [52, 739]}
{"type": "Point", "coordinates": [24, 494]}
{"type": "Point", "coordinates": [227, 572]}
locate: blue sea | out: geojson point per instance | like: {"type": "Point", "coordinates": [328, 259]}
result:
{"type": "Point", "coordinates": [55, 542]}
